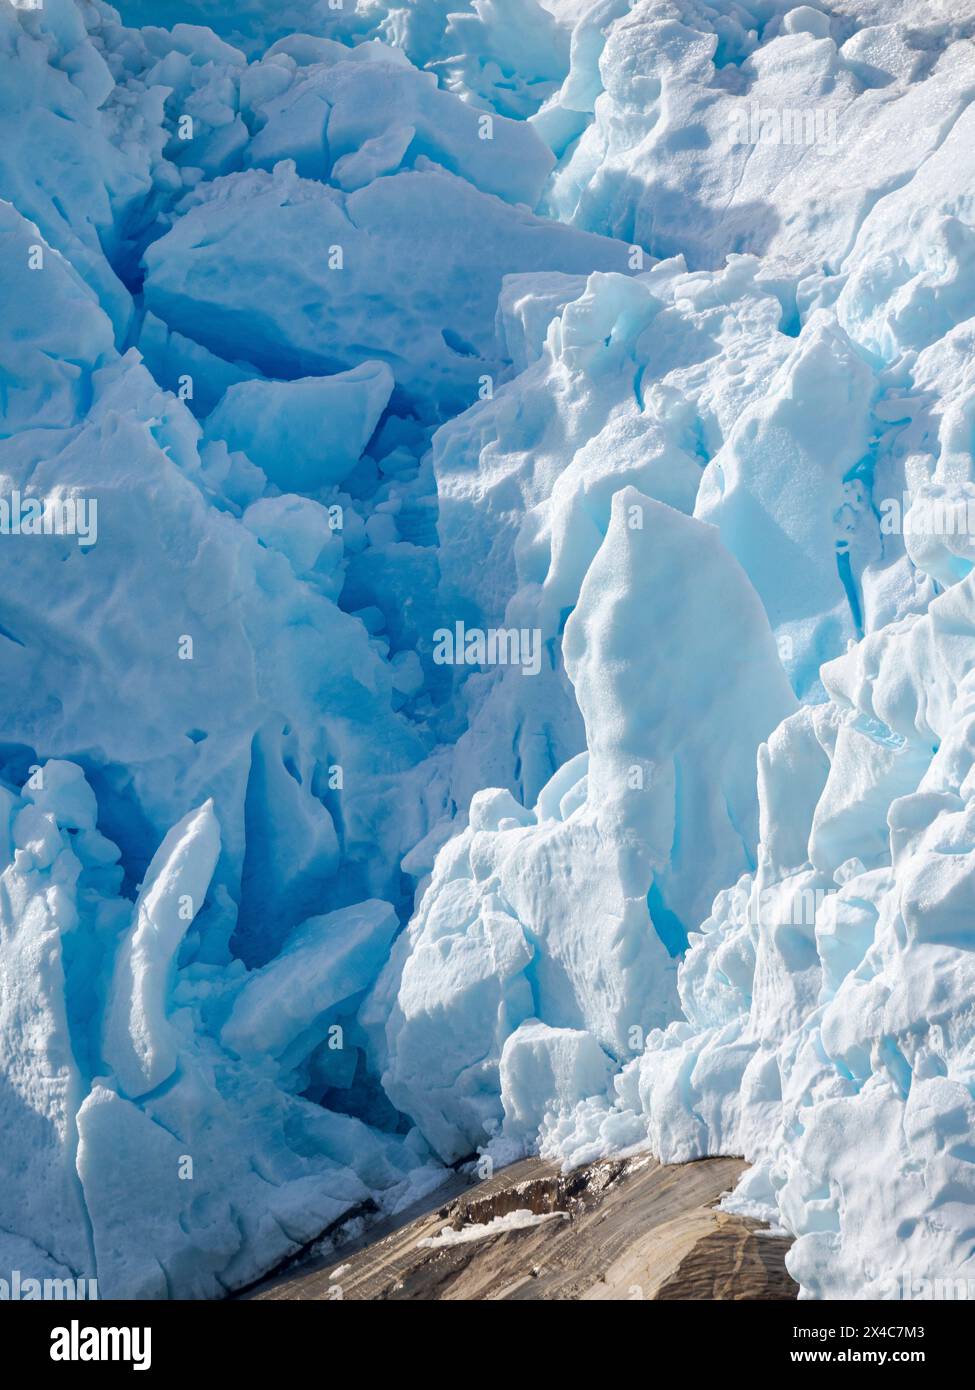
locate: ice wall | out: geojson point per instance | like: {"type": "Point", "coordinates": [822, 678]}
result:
{"type": "Point", "coordinates": [631, 342]}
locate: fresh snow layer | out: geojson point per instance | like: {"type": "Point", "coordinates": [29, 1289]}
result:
{"type": "Point", "coordinates": [503, 676]}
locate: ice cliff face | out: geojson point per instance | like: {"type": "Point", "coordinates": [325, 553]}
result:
{"type": "Point", "coordinates": [486, 502]}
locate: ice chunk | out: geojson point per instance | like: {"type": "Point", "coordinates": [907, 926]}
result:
{"type": "Point", "coordinates": [434, 324]}
{"type": "Point", "coordinates": [323, 962]}
{"type": "Point", "coordinates": [379, 155]}
{"type": "Point", "coordinates": [42, 1213]}
{"type": "Point", "coordinates": [548, 1069]}
{"type": "Point", "coordinates": [302, 530]}
{"type": "Point", "coordinates": [294, 127]}
{"type": "Point", "coordinates": [776, 490]}
{"type": "Point", "coordinates": [458, 994]}
{"type": "Point", "coordinates": [648, 735]}
{"type": "Point", "coordinates": [55, 334]}
{"type": "Point", "coordinates": [497, 155]}
{"type": "Point", "coordinates": [139, 1044]}
{"type": "Point", "coordinates": [306, 435]}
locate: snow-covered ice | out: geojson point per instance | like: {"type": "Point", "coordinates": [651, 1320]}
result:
{"type": "Point", "coordinates": [488, 618]}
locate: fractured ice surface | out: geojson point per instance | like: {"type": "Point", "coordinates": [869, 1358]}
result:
{"type": "Point", "coordinates": [568, 895]}
{"type": "Point", "coordinates": [638, 332]}
{"type": "Point", "coordinates": [434, 325]}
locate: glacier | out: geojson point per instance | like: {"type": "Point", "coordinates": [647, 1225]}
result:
{"type": "Point", "coordinates": [634, 334]}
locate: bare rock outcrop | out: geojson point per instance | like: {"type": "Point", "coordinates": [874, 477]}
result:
{"type": "Point", "coordinates": [617, 1229]}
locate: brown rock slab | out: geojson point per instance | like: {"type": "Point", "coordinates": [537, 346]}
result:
{"type": "Point", "coordinates": [617, 1229]}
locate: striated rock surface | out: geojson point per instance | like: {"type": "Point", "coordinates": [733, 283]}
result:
{"type": "Point", "coordinates": [628, 1228]}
